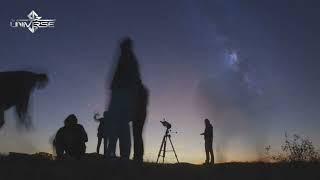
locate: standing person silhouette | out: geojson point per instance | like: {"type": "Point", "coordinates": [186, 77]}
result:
{"type": "Point", "coordinates": [124, 87]}
{"type": "Point", "coordinates": [101, 131]}
{"type": "Point", "coordinates": [208, 138]}
{"type": "Point", "coordinates": [128, 103]}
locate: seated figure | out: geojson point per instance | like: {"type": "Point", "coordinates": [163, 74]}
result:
{"type": "Point", "coordinates": [71, 139]}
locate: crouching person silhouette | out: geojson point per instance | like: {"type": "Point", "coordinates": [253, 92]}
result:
{"type": "Point", "coordinates": [208, 138]}
{"type": "Point", "coordinates": [71, 139]}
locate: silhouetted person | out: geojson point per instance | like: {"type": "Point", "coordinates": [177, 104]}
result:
{"type": "Point", "coordinates": [101, 131]}
{"type": "Point", "coordinates": [124, 90]}
{"type": "Point", "coordinates": [208, 138]}
{"type": "Point", "coordinates": [129, 100]}
{"type": "Point", "coordinates": [15, 91]}
{"type": "Point", "coordinates": [71, 139]}
{"type": "Point", "coordinates": [119, 125]}
{"type": "Point", "coordinates": [59, 143]}
{"type": "Point", "coordinates": [139, 120]}
{"type": "Point", "coordinates": [127, 73]}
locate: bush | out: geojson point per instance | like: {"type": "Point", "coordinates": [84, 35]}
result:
{"type": "Point", "coordinates": [295, 149]}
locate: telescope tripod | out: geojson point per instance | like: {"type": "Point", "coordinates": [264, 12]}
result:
{"type": "Point", "coordinates": [163, 147]}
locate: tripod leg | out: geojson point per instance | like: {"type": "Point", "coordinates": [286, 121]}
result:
{"type": "Point", "coordinates": [173, 149]}
{"type": "Point", "coordinates": [164, 149]}
{"type": "Point", "coordinates": [162, 143]}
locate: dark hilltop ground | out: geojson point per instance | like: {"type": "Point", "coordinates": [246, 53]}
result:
{"type": "Point", "coordinates": [39, 166]}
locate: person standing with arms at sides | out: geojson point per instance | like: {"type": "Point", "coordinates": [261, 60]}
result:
{"type": "Point", "coordinates": [208, 138]}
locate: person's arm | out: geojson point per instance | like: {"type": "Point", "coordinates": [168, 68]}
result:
{"type": "Point", "coordinates": [95, 117]}
{"type": "Point", "coordinates": [84, 134]}
{"type": "Point", "coordinates": [205, 133]}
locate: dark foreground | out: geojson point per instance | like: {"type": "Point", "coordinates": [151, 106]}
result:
{"type": "Point", "coordinates": [117, 169]}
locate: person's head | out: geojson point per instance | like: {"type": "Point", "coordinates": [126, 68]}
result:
{"type": "Point", "coordinates": [71, 120]}
{"type": "Point", "coordinates": [206, 122]}
{"type": "Point", "coordinates": [126, 44]}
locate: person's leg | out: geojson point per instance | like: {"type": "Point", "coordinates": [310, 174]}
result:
{"type": "Point", "coordinates": [212, 156]}
{"type": "Point", "coordinates": [110, 137]}
{"type": "Point", "coordinates": [111, 147]}
{"type": "Point", "coordinates": [59, 150]}
{"type": "Point", "coordinates": [138, 141]}
{"type": "Point", "coordinates": [1, 118]}
{"type": "Point", "coordinates": [211, 153]}
{"type": "Point", "coordinates": [76, 154]}
{"type": "Point", "coordinates": [105, 144]}
{"type": "Point", "coordinates": [81, 151]}
{"type": "Point", "coordinates": [125, 141]}
{"type": "Point", "coordinates": [72, 151]}
{"type": "Point", "coordinates": [207, 149]}
{"type": "Point", "coordinates": [99, 144]}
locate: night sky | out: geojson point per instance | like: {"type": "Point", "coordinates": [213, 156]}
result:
{"type": "Point", "coordinates": [251, 67]}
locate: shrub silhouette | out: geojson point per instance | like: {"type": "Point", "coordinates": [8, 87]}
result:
{"type": "Point", "coordinates": [295, 149]}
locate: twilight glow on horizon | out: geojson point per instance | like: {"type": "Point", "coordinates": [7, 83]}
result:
{"type": "Point", "coordinates": [251, 69]}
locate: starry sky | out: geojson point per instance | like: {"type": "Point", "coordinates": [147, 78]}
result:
{"type": "Point", "coordinates": [251, 67]}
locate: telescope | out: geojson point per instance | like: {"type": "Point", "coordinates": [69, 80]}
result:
{"type": "Point", "coordinates": [166, 124]}
{"type": "Point", "coordinates": [163, 147]}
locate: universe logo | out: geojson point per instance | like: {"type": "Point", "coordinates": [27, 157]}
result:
{"type": "Point", "coordinates": [33, 23]}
